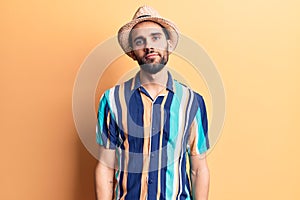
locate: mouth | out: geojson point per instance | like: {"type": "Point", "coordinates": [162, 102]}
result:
{"type": "Point", "coordinates": [151, 55]}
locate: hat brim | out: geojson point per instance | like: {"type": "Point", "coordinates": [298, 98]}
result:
{"type": "Point", "coordinates": [124, 32]}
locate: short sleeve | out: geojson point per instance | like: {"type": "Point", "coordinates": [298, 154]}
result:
{"type": "Point", "coordinates": [198, 142]}
{"type": "Point", "coordinates": [106, 128]}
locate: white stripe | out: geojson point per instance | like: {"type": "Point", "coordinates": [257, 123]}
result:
{"type": "Point", "coordinates": [187, 93]}
{"type": "Point", "coordinates": [118, 177]}
{"type": "Point", "coordinates": [188, 109]}
{"type": "Point", "coordinates": [112, 103]}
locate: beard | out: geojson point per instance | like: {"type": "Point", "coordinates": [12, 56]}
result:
{"type": "Point", "coordinates": [153, 67]}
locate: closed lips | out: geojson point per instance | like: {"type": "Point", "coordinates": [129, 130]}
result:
{"type": "Point", "coordinates": [150, 55]}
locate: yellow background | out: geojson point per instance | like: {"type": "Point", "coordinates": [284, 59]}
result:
{"type": "Point", "coordinates": [254, 44]}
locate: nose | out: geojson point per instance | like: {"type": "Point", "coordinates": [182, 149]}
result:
{"type": "Point", "coordinates": [148, 45]}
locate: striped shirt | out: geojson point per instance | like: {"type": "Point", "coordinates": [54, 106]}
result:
{"type": "Point", "coordinates": [152, 138]}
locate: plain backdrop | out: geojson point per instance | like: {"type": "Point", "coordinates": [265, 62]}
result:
{"type": "Point", "coordinates": [254, 44]}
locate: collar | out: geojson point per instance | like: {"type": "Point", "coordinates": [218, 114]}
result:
{"type": "Point", "coordinates": [136, 82]}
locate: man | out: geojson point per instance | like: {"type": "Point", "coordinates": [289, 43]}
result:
{"type": "Point", "coordinates": [152, 130]}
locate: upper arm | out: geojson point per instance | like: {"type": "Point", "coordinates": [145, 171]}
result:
{"type": "Point", "coordinates": [198, 142]}
{"type": "Point", "coordinates": [107, 157]}
{"type": "Point", "coordinates": [106, 129]}
{"type": "Point", "coordinates": [198, 164]}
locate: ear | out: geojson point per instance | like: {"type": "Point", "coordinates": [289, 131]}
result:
{"type": "Point", "coordinates": [170, 47]}
{"type": "Point", "coordinates": [132, 55]}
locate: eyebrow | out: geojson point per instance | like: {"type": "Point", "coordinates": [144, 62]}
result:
{"type": "Point", "coordinates": [152, 34]}
{"type": "Point", "coordinates": [158, 33]}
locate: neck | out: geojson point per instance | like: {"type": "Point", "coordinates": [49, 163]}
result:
{"type": "Point", "coordinates": [158, 79]}
{"type": "Point", "coordinates": [154, 83]}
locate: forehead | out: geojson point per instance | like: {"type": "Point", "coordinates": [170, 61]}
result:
{"type": "Point", "coordinates": [146, 28]}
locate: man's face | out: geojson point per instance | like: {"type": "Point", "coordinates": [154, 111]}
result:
{"type": "Point", "coordinates": [150, 46]}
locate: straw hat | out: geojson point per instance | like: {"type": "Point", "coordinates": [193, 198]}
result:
{"type": "Point", "coordinates": [146, 13]}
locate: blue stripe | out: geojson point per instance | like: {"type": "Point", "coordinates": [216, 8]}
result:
{"type": "Point", "coordinates": [120, 183]}
{"type": "Point", "coordinates": [135, 126]}
{"type": "Point", "coordinates": [113, 132]}
{"type": "Point", "coordinates": [183, 181]}
{"type": "Point", "coordinates": [155, 137]}
{"type": "Point", "coordinates": [120, 157]}
{"type": "Point", "coordinates": [135, 112]}
{"type": "Point", "coordinates": [203, 144]}
{"type": "Point", "coordinates": [133, 185]}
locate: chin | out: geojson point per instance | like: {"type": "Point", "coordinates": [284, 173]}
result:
{"type": "Point", "coordinates": [152, 68]}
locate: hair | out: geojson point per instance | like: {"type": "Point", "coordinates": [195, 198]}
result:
{"type": "Point", "coordinates": [163, 28]}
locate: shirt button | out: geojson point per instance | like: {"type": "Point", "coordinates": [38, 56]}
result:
{"type": "Point", "coordinates": [150, 181]}
{"type": "Point", "coordinates": [152, 155]}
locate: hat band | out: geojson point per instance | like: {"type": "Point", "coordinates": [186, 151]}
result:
{"type": "Point", "coordinates": [143, 16]}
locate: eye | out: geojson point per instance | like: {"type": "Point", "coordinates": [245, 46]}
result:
{"type": "Point", "coordinates": [156, 38]}
{"type": "Point", "coordinates": [139, 42]}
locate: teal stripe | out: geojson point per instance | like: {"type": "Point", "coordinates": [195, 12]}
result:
{"type": "Point", "coordinates": [98, 138]}
{"type": "Point", "coordinates": [101, 109]}
{"type": "Point", "coordinates": [174, 121]}
{"type": "Point", "coordinates": [201, 142]}
{"type": "Point", "coordinates": [117, 174]}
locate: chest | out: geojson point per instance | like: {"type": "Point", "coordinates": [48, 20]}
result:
{"type": "Point", "coordinates": [148, 125]}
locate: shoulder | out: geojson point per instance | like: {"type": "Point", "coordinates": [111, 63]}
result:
{"type": "Point", "coordinates": [112, 93]}
{"type": "Point", "coordinates": [182, 88]}
{"type": "Point", "coordinates": [185, 94]}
